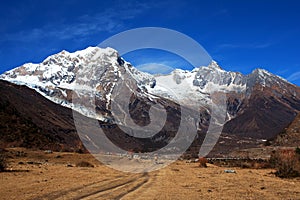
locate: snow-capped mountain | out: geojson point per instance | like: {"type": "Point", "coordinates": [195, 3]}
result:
{"type": "Point", "coordinates": [99, 68]}
{"type": "Point", "coordinates": [258, 105]}
{"type": "Point", "coordinates": [61, 75]}
{"type": "Point", "coordinates": [65, 76]}
{"type": "Point", "coordinates": [196, 86]}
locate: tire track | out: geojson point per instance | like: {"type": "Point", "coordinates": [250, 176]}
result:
{"type": "Point", "coordinates": [134, 188]}
{"type": "Point", "coordinates": [58, 194]}
{"type": "Point", "coordinates": [120, 191]}
{"type": "Point", "coordinates": [105, 189]}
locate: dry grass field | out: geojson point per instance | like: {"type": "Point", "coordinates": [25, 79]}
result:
{"type": "Point", "coordinates": [38, 175]}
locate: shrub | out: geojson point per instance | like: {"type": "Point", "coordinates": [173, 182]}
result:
{"type": "Point", "coordinates": [80, 151]}
{"type": "Point", "coordinates": [297, 150]}
{"type": "Point", "coordinates": [203, 162]}
{"type": "Point", "coordinates": [2, 161]}
{"type": "Point", "coordinates": [84, 164]}
{"type": "Point", "coordinates": [268, 143]}
{"type": "Point", "coordinates": [286, 162]}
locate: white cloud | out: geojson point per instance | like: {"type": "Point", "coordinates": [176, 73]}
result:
{"type": "Point", "coordinates": [110, 20]}
{"type": "Point", "coordinates": [155, 68]}
{"type": "Point", "coordinates": [245, 46]}
{"type": "Point", "coordinates": [293, 77]}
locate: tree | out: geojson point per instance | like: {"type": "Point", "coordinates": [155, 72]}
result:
{"type": "Point", "coordinates": [2, 161]}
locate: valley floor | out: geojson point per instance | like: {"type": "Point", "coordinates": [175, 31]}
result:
{"type": "Point", "coordinates": [39, 175]}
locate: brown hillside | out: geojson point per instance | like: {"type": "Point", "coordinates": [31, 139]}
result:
{"type": "Point", "coordinates": [29, 120]}
{"type": "Point", "coordinates": [290, 135]}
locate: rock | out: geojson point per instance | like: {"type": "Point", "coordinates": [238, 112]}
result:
{"type": "Point", "coordinates": [229, 171]}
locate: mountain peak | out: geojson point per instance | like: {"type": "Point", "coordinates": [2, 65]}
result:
{"type": "Point", "coordinates": [86, 52]}
{"type": "Point", "coordinates": [214, 65]}
{"type": "Point", "coordinates": [262, 72]}
{"type": "Point", "coordinates": [267, 76]}
{"type": "Point", "coordinates": [63, 71]}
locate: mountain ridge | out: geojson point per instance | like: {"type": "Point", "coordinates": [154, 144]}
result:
{"type": "Point", "coordinates": [59, 71]}
{"type": "Point", "coordinates": [68, 78]}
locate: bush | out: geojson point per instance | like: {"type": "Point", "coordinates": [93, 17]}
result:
{"type": "Point", "coordinates": [80, 151]}
{"type": "Point", "coordinates": [2, 161]}
{"type": "Point", "coordinates": [84, 164]}
{"type": "Point", "coordinates": [202, 162]}
{"type": "Point", "coordinates": [297, 150]}
{"type": "Point", "coordinates": [286, 162]}
{"type": "Point", "coordinates": [268, 143]}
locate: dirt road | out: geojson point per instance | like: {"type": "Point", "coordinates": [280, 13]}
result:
{"type": "Point", "coordinates": [50, 176]}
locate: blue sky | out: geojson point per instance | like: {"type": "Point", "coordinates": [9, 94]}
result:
{"type": "Point", "coordinates": [239, 35]}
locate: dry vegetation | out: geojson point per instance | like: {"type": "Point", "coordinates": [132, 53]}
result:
{"type": "Point", "coordinates": [203, 162]}
{"type": "Point", "coordinates": [286, 162]}
{"type": "Point", "coordinates": [2, 161]}
{"type": "Point", "coordinates": [41, 175]}
{"type": "Point", "coordinates": [84, 164]}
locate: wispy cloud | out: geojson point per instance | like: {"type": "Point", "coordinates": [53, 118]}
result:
{"type": "Point", "coordinates": [155, 68]}
{"type": "Point", "coordinates": [245, 46]}
{"type": "Point", "coordinates": [282, 72]}
{"type": "Point", "coordinates": [295, 76]}
{"type": "Point", "coordinates": [110, 20]}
